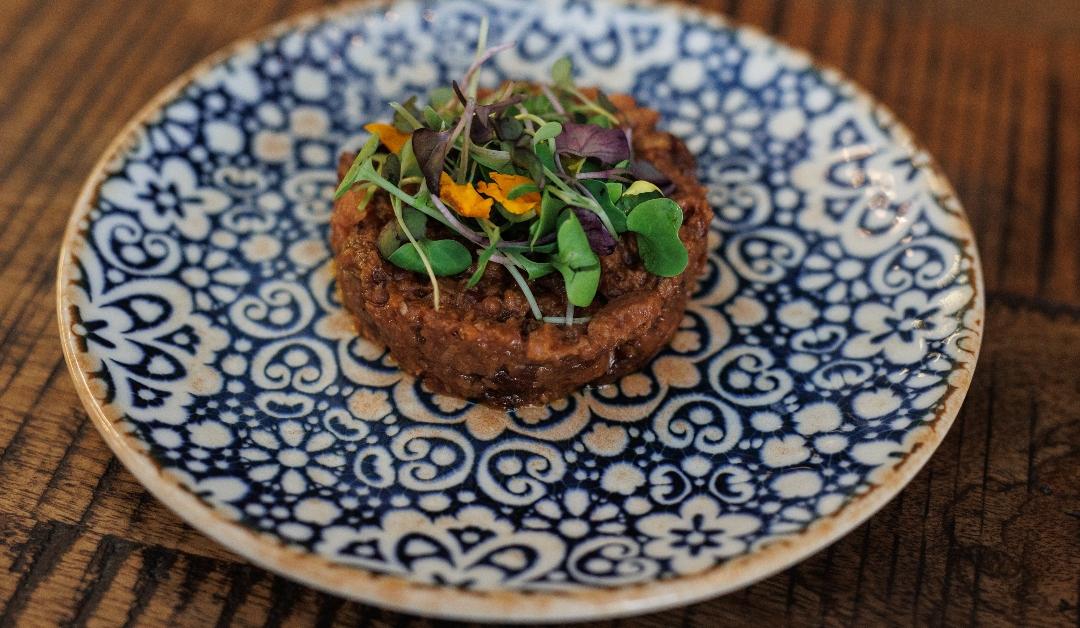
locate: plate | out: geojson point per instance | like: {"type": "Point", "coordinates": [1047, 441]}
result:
{"type": "Point", "coordinates": [823, 359]}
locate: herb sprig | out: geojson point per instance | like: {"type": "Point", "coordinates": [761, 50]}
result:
{"type": "Point", "coordinates": [539, 179]}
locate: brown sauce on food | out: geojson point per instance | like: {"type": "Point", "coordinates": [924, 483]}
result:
{"type": "Point", "coordinates": [484, 343]}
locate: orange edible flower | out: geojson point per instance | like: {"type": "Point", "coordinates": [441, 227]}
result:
{"type": "Point", "coordinates": [464, 198]}
{"type": "Point", "coordinates": [388, 135]}
{"type": "Point", "coordinates": [500, 191]}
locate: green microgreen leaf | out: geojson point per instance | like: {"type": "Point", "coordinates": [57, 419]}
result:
{"type": "Point", "coordinates": [574, 250]}
{"type": "Point", "coordinates": [481, 265]}
{"type": "Point", "coordinates": [369, 192]}
{"type": "Point", "coordinates": [391, 168]}
{"type": "Point", "coordinates": [409, 166]}
{"type": "Point", "coordinates": [627, 202]}
{"type": "Point", "coordinates": [432, 119]}
{"type": "Point", "coordinates": [440, 97]}
{"type": "Point", "coordinates": [352, 175]}
{"type": "Point", "coordinates": [550, 206]}
{"type": "Point", "coordinates": [600, 191]}
{"type": "Point", "coordinates": [580, 284]}
{"type": "Point", "coordinates": [575, 260]}
{"type": "Point", "coordinates": [490, 158]}
{"type": "Point", "coordinates": [538, 105]}
{"type": "Point", "coordinates": [422, 200]}
{"type": "Point", "coordinates": [602, 121]}
{"type": "Point", "coordinates": [533, 269]}
{"type": "Point", "coordinates": [447, 257]}
{"type": "Point", "coordinates": [528, 161]}
{"type": "Point", "coordinates": [415, 221]}
{"type": "Point", "coordinates": [656, 223]}
{"type": "Point", "coordinates": [614, 191]}
{"type": "Point", "coordinates": [546, 155]}
{"type": "Point", "coordinates": [508, 128]}
{"type": "Point", "coordinates": [389, 239]}
{"type": "Point", "coordinates": [546, 132]}
{"type": "Point", "coordinates": [425, 263]}
{"type": "Point", "coordinates": [562, 73]}
{"type": "Point", "coordinates": [522, 190]}
{"type": "Point", "coordinates": [589, 105]}
{"type": "Point", "coordinates": [405, 115]}
{"type": "Point", "coordinates": [641, 187]}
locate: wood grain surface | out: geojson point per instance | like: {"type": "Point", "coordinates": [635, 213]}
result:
{"type": "Point", "coordinates": [988, 533]}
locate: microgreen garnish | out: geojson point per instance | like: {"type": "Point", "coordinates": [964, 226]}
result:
{"type": "Point", "coordinates": [656, 223]}
{"type": "Point", "coordinates": [608, 146]}
{"type": "Point", "coordinates": [536, 179]}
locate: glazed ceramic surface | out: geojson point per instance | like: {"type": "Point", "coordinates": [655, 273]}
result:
{"type": "Point", "coordinates": [822, 360]}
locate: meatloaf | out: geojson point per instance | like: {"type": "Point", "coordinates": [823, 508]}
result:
{"type": "Point", "coordinates": [483, 343]}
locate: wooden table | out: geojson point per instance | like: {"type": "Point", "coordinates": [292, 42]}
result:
{"type": "Point", "coordinates": [988, 533]}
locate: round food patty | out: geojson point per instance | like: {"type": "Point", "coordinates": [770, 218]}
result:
{"type": "Point", "coordinates": [483, 343]}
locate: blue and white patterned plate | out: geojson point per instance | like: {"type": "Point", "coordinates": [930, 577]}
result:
{"type": "Point", "coordinates": [822, 361]}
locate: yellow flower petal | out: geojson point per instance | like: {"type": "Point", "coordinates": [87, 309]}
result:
{"type": "Point", "coordinates": [388, 135]}
{"type": "Point", "coordinates": [500, 190]}
{"type": "Point", "coordinates": [464, 198]}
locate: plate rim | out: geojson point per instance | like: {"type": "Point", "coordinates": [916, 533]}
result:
{"type": "Point", "coordinates": [402, 595]}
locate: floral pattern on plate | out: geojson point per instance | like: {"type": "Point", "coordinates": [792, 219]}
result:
{"type": "Point", "coordinates": [839, 310]}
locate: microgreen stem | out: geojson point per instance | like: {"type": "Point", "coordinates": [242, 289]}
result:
{"type": "Point", "coordinates": [410, 118]}
{"type": "Point", "coordinates": [471, 81]}
{"type": "Point", "coordinates": [462, 126]}
{"type": "Point", "coordinates": [554, 99]}
{"type": "Point", "coordinates": [573, 197]}
{"type": "Point", "coordinates": [525, 290]}
{"type": "Point", "coordinates": [585, 100]}
{"type": "Point", "coordinates": [531, 117]}
{"type": "Point", "coordinates": [396, 204]}
{"type": "Point", "coordinates": [569, 313]}
{"type": "Point", "coordinates": [560, 320]}
{"type": "Point", "coordinates": [603, 174]}
{"type": "Point", "coordinates": [525, 244]}
{"type": "Point", "coordinates": [472, 76]}
{"type": "Point", "coordinates": [456, 224]}
{"type": "Point", "coordinates": [368, 173]}
{"type": "Point", "coordinates": [490, 153]}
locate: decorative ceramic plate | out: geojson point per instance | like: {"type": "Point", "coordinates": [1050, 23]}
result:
{"type": "Point", "coordinates": [822, 361]}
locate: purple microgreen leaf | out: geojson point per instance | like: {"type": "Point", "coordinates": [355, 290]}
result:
{"type": "Point", "coordinates": [600, 240]}
{"type": "Point", "coordinates": [644, 170]}
{"type": "Point", "coordinates": [589, 140]}
{"type": "Point", "coordinates": [482, 130]}
{"type": "Point", "coordinates": [431, 148]}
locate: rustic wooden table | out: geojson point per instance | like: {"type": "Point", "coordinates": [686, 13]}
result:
{"type": "Point", "coordinates": [988, 533]}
